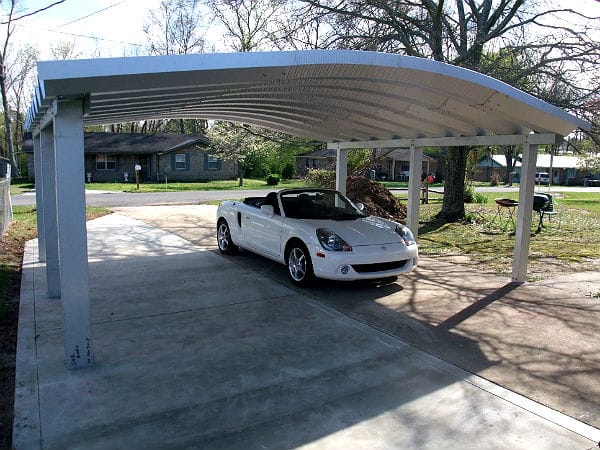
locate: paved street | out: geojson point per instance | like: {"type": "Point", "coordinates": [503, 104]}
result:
{"type": "Point", "coordinates": [118, 199]}
{"type": "Point", "coordinates": [114, 199]}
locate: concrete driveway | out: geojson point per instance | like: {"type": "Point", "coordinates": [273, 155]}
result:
{"type": "Point", "coordinates": [194, 350]}
{"type": "Point", "coordinates": [539, 339]}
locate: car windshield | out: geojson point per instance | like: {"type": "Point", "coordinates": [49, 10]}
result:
{"type": "Point", "coordinates": [319, 204]}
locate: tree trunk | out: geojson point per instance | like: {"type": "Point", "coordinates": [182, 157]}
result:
{"type": "Point", "coordinates": [241, 169]}
{"type": "Point", "coordinates": [509, 155]}
{"type": "Point", "coordinates": [453, 207]}
{"type": "Point", "coordinates": [10, 149]}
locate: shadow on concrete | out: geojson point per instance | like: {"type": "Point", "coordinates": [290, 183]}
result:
{"type": "Point", "coordinates": [474, 308]}
{"type": "Point", "coordinates": [185, 356]}
{"type": "Point", "coordinates": [538, 339]}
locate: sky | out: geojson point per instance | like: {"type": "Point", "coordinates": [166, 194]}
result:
{"type": "Point", "coordinates": [106, 28]}
{"type": "Point", "coordinates": [114, 28]}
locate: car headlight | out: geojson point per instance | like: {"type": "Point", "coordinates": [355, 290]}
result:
{"type": "Point", "coordinates": [406, 235]}
{"type": "Point", "coordinates": [331, 241]}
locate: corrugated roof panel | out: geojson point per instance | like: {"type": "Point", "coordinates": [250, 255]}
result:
{"type": "Point", "coordinates": [327, 95]}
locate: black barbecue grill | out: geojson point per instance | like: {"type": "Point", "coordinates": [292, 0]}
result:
{"type": "Point", "coordinates": [542, 203]}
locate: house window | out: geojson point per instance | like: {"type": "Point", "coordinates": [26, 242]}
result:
{"type": "Point", "coordinates": [106, 162]}
{"type": "Point", "coordinates": [212, 163]}
{"type": "Point", "coordinates": [180, 161]}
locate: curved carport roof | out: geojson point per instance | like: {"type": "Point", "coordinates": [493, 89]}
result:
{"type": "Point", "coordinates": [325, 95]}
{"type": "Point", "coordinates": [346, 98]}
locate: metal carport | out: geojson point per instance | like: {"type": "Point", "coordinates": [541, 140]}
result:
{"type": "Point", "coordinates": [350, 99]}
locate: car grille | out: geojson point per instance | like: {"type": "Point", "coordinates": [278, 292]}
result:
{"type": "Point", "coordinates": [379, 267]}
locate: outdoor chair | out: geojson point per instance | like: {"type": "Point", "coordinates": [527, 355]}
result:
{"type": "Point", "coordinates": [546, 206]}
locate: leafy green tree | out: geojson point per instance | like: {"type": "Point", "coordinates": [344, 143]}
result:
{"type": "Point", "coordinates": [237, 143]}
{"type": "Point", "coordinates": [257, 151]}
{"type": "Point", "coordinates": [589, 157]}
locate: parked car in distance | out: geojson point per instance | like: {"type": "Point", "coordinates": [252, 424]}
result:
{"type": "Point", "coordinates": [317, 233]}
{"type": "Point", "coordinates": [542, 178]}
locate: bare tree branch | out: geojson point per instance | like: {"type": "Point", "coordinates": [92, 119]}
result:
{"type": "Point", "coordinates": [14, 19]}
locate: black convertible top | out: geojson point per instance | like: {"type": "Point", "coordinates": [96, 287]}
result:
{"type": "Point", "coordinates": [257, 202]}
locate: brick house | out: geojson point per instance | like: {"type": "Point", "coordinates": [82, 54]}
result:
{"type": "Point", "coordinates": [112, 157]}
{"type": "Point", "coordinates": [391, 165]}
{"type": "Point", "coordinates": [565, 168]}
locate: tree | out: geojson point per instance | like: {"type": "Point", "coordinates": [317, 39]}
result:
{"type": "Point", "coordinates": [249, 24]}
{"type": "Point", "coordinates": [175, 28]}
{"type": "Point", "coordinates": [236, 143]}
{"type": "Point", "coordinates": [64, 50]}
{"type": "Point", "coordinates": [302, 27]}
{"type": "Point", "coordinates": [554, 43]}
{"type": "Point", "coordinates": [19, 80]}
{"type": "Point", "coordinates": [589, 157]}
{"type": "Point", "coordinates": [13, 15]}
{"type": "Point", "coordinates": [4, 89]}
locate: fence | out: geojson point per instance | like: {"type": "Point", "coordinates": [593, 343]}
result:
{"type": "Point", "coordinates": [5, 205]}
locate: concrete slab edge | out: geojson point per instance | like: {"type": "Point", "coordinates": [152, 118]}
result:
{"type": "Point", "coordinates": [27, 433]}
{"type": "Point", "coordinates": [560, 419]}
{"type": "Point", "coordinates": [556, 417]}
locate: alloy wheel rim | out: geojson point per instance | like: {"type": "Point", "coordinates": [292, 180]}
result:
{"type": "Point", "coordinates": [223, 238]}
{"type": "Point", "coordinates": [297, 264]}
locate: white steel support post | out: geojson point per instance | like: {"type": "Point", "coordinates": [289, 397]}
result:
{"type": "Point", "coordinates": [341, 170]}
{"type": "Point", "coordinates": [48, 184]}
{"type": "Point", "coordinates": [72, 241]}
{"type": "Point", "coordinates": [39, 197]}
{"type": "Point", "coordinates": [414, 189]}
{"type": "Point", "coordinates": [525, 211]}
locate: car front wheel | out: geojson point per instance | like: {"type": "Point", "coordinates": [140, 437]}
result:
{"type": "Point", "coordinates": [224, 241]}
{"type": "Point", "coordinates": [299, 265]}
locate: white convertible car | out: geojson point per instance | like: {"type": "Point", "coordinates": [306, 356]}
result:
{"type": "Point", "coordinates": [317, 233]}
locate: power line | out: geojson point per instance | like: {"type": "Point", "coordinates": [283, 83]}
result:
{"type": "Point", "coordinates": [96, 38]}
{"type": "Point", "coordinates": [86, 16]}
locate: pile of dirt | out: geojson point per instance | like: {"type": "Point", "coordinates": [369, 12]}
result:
{"type": "Point", "coordinates": [377, 199]}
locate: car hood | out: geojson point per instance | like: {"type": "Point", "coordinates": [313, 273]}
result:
{"type": "Point", "coordinates": [365, 231]}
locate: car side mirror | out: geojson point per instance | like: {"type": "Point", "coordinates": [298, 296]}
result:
{"type": "Point", "coordinates": [360, 206]}
{"type": "Point", "coordinates": [268, 210]}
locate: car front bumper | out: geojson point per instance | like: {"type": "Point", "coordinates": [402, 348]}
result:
{"type": "Point", "coordinates": [364, 262]}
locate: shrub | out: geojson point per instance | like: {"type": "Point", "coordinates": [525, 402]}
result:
{"type": "Point", "coordinates": [469, 193]}
{"type": "Point", "coordinates": [471, 196]}
{"type": "Point", "coordinates": [273, 179]}
{"type": "Point", "coordinates": [480, 198]}
{"type": "Point", "coordinates": [321, 178]}
{"type": "Point", "coordinates": [288, 171]}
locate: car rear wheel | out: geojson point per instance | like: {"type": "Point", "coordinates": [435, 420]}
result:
{"type": "Point", "coordinates": [224, 241]}
{"type": "Point", "coordinates": [299, 265]}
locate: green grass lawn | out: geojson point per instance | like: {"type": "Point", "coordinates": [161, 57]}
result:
{"type": "Point", "coordinates": [20, 186]}
{"type": "Point", "coordinates": [490, 244]}
{"type": "Point", "coordinates": [589, 201]}
{"type": "Point", "coordinates": [220, 185]}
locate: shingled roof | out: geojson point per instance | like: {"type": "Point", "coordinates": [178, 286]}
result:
{"type": "Point", "coordinates": [133, 143]}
